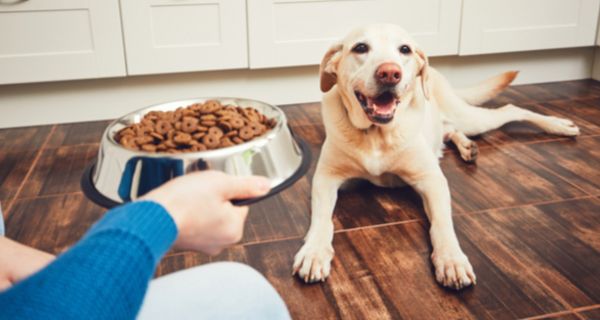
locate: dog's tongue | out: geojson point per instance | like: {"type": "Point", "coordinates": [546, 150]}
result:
{"type": "Point", "coordinates": [384, 103]}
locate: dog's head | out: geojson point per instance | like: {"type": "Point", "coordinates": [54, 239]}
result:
{"type": "Point", "coordinates": [375, 69]}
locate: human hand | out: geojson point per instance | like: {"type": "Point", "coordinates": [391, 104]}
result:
{"type": "Point", "coordinates": [18, 261]}
{"type": "Point", "coordinates": [200, 204]}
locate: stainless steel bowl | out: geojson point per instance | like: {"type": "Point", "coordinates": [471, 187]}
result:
{"type": "Point", "coordinates": [120, 175]}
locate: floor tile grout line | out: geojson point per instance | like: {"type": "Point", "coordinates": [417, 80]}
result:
{"type": "Point", "coordinates": [587, 308]}
{"type": "Point", "coordinates": [45, 196]}
{"type": "Point", "coordinates": [381, 225]}
{"type": "Point", "coordinates": [30, 171]}
{"type": "Point", "coordinates": [551, 314]}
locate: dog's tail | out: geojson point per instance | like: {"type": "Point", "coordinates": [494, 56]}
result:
{"type": "Point", "coordinates": [487, 89]}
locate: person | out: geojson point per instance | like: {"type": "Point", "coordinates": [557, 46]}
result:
{"type": "Point", "coordinates": [107, 274]}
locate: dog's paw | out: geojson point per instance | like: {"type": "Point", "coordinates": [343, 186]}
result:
{"type": "Point", "coordinates": [560, 126]}
{"type": "Point", "coordinates": [468, 150]}
{"type": "Point", "coordinates": [453, 270]}
{"type": "Point", "coordinates": [313, 262]}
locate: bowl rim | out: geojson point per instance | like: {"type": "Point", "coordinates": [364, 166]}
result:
{"type": "Point", "coordinates": [216, 153]}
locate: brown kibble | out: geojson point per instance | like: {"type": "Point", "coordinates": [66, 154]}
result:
{"type": "Point", "coordinates": [194, 128]}
{"type": "Point", "coordinates": [211, 141]}
{"type": "Point", "coordinates": [210, 117]}
{"type": "Point", "coordinates": [189, 124]}
{"type": "Point", "coordinates": [237, 122]}
{"type": "Point", "coordinates": [149, 147]}
{"type": "Point", "coordinates": [209, 123]}
{"type": "Point", "coordinates": [226, 126]}
{"type": "Point", "coordinates": [162, 126]}
{"type": "Point", "coordinates": [170, 144]}
{"type": "Point", "coordinates": [126, 132]}
{"type": "Point", "coordinates": [237, 140]}
{"type": "Point", "coordinates": [140, 141]}
{"type": "Point", "coordinates": [182, 138]}
{"type": "Point", "coordinates": [157, 136]}
{"type": "Point", "coordinates": [199, 147]}
{"type": "Point", "coordinates": [226, 142]}
{"type": "Point", "coordinates": [215, 131]}
{"type": "Point", "coordinates": [231, 133]}
{"type": "Point", "coordinates": [198, 135]}
{"type": "Point", "coordinates": [246, 133]}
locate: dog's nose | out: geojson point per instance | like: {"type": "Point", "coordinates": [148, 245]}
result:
{"type": "Point", "coordinates": [388, 74]}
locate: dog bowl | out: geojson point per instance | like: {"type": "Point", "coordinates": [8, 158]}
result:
{"type": "Point", "coordinates": [121, 175]}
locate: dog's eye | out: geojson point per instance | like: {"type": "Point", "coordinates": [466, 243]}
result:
{"type": "Point", "coordinates": [360, 48]}
{"type": "Point", "coordinates": [405, 49]}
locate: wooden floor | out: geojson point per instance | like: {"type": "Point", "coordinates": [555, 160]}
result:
{"type": "Point", "coordinates": [527, 215]}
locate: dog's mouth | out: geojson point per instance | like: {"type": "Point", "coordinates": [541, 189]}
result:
{"type": "Point", "coordinates": [379, 108]}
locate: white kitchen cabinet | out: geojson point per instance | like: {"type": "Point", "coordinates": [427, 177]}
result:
{"type": "Point", "coordinates": [164, 36]}
{"type": "Point", "coordinates": [299, 32]}
{"type": "Point", "coordinates": [494, 26]}
{"type": "Point", "coordinates": [48, 40]}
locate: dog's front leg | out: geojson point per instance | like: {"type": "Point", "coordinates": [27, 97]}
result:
{"type": "Point", "coordinates": [313, 262]}
{"type": "Point", "coordinates": [452, 267]}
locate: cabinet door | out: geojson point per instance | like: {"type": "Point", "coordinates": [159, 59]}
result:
{"type": "Point", "coordinates": [492, 26]}
{"type": "Point", "coordinates": [298, 32]}
{"type": "Point", "coordinates": [184, 35]}
{"type": "Point", "coordinates": [46, 40]}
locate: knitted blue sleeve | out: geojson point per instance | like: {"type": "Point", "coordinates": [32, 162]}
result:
{"type": "Point", "coordinates": [104, 276]}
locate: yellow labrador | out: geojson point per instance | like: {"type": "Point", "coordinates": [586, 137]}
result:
{"type": "Point", "coordinates": [386, 114]}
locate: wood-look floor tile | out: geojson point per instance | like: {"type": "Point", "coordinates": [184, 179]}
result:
{"type": "Point", "coordinates": [78, 133]}
{"type": "Point", "coordinates": [557, 243]}
{"type": "Point", "coordinates": [585, 113]}
{"type": "Point", "coordinates": [576, 89]}
{"type": "Point", "coordinates": [282, 216]}
{"type": "Point", "coordinates": [365, 205]}
{"type": "Point", "coordinates": [593, 314]}
{"type": "Point", "coordinates": [59, 170]}
{"type": "Point", "coordinates": [18, 150]}
{"type": "Point", "coordinates": [385, 273]}
{"type": "Point", "coordinates": [511, 95]}
{"type": "Point", "coordinates": [51, 224]}
{"type": "Point", "coordinates": [500, 179]}
{"type": "Point", "coordinates": [575, 161]}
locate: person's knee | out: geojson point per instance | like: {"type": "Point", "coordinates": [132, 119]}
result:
{"type": "Point", "coordinates": [245, 283]}
{"type": "Point", "coordinates": [221, 290]}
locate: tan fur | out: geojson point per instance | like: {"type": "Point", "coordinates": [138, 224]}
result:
{"type": "Point", "coordinates": [404, 149]}
{"type": "Point", "coordinates": [488, 89]}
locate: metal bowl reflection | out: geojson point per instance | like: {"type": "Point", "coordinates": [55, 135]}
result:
{"type": "Point", "coordinates": [120, 175]}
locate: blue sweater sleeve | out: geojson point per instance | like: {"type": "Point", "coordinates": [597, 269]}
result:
{"type": "Point", "coordinates": [103, 276]}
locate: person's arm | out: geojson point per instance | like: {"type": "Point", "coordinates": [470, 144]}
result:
{"type": "Point", "coordinates": [105, 275]}
{"type": "Point", "coordinates": [18, 261]}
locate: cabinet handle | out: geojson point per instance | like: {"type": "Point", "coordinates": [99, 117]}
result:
{"type": "Point", "coordinates": [2, 2]}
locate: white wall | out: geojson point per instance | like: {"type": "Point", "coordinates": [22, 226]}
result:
{"type": "Point", "coordinates": [86, 100]}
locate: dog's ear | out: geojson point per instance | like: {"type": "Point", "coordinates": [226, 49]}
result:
{"type": "Point", "coordinates": [424, 71]}
{"type": "Point", "coordinates": [328, 67]}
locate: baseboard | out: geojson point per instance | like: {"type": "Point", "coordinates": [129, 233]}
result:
{"type": "Point", "coordinates": [87, 100]}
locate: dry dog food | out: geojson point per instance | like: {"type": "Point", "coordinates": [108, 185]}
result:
{"type": "Point", "coordinates": [198, 127]}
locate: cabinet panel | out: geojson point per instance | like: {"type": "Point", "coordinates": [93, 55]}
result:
{"type": "Point", "coordinates": [298, 32]}
{"type": "Point", "coordinates": [178, 36]}
{"type": "Point", "coordinates": [494, 26]}
{"type": "Point", "coordinates": [46, 40]}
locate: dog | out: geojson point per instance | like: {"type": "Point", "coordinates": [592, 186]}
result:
{"type": "Point", "coordinates": [387, 114]}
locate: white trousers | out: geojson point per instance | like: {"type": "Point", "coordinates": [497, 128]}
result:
{"type": "Point", "coordinates": [222, 290]}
